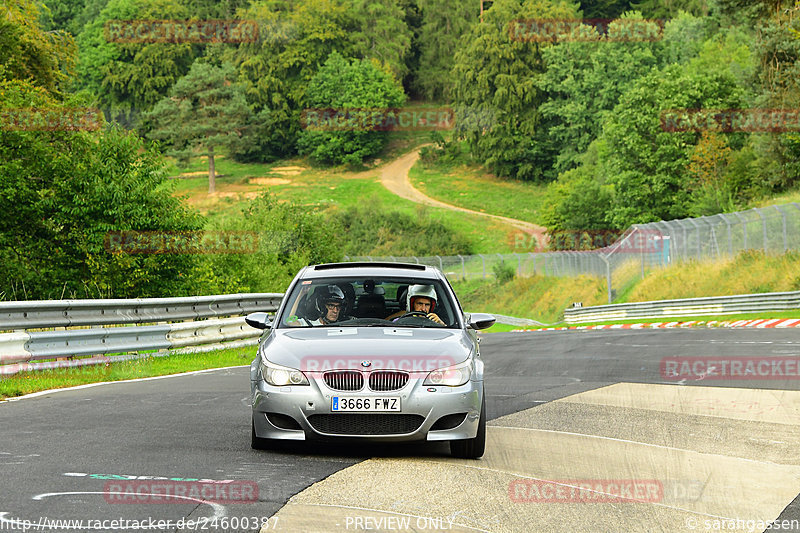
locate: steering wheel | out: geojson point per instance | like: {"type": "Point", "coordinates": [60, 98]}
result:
{"type": "Point", "coordinates": [420, 314]}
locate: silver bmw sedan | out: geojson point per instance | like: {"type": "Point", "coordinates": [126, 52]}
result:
{"type": "Point", "coordinates": [371, 351]}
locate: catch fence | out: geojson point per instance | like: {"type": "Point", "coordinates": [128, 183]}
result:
{"type": "Point", "coordinates": [774, 229]}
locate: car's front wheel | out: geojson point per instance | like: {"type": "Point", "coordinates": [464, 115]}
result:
{"type": "Point", "coordinates": [472, 448]}
{"type": "Point", "coordinates": [257, 443]}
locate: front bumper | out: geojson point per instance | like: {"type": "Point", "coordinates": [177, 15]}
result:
{"type": "Point", "coordinates": [309, 407]}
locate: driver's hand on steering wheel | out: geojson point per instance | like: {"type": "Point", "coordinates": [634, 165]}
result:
{"type": "Point", "coordinates": [435, 318]}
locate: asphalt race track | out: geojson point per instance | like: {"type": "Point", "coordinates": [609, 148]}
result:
{"type": "Point", "coordinates": [586, 433]}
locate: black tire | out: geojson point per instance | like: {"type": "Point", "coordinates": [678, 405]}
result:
{"type": "Point", "coordinates": [472, 448]}
{"type": "Point", "coordinates": [257, 443]}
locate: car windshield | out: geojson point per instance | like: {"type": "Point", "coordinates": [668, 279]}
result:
{"type": "Point", "coordinates": [369, 302]}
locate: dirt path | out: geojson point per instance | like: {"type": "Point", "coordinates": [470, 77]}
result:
{"type": "Point", "coordinates": [394, 176]}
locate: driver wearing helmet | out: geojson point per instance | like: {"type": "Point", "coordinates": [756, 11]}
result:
{"type": "Point", "coordinates": [420, 299]}
{"type": "Point", "coordinates": [329, 303]}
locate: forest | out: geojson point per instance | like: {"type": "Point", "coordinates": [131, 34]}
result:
{"type": "Point", "coordinates": [575, 95]}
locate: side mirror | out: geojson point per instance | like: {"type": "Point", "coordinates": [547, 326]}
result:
{"type": "Point", "coordinates": [481, 320]}
{"type": "Point", "coordinates": [258, 320]}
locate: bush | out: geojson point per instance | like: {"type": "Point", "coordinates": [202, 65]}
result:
{"type": "Point", "coordinates": [289, 238]}
{"type": "Point", "coordinates": [372, 230]}
{"type": "Point", "coordinates": [503, 272]}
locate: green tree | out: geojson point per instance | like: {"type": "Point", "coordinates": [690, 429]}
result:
{"type": "Point", "coordinates": [496, 75]}
{"type": "Point", "coordinates": [47, 58]}
{"type": "Point", "coordinates": [604, 9]}
{"type": "Point", "coordinates": [777, 52]}
{"type": "Point", "coordinates": [205, 111]}
{"type": "Point", "coordinates": [708, 166]}
{"type": "Point", "coordinates": [342, 85]}
{"type": "Point", "coordinates": [646, 165]}
{"type": "Point", "coordinates": [444, 23]}
{"type": "Point", "coordinates": [383, 34]}
{"type": "Point", "coordinates": [578, 201]}
{"type": "Point", "coordinates": [62, 192]}
{"type": "Point", "coordinates": [584, 81]}
{"type": "Point", "coordinates": [296, 39]}
{"type": "Point", "coordinates": [62, 14]}
{"type": "Point", "coordinates": [671, 8]}
{"type": "Point", "coordinates": [128, 78]}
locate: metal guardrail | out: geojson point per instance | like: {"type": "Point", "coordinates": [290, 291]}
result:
{"type": "Point", "coordinates": [19, 349]}
{"type": "Point", "coordinates": [713, 305]}
{"type": "Point", "coordinates": [68, 313]}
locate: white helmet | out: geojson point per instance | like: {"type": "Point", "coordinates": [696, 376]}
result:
{"type": "Point", "coordinates": [426, 291]}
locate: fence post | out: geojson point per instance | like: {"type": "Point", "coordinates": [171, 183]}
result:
{"type": "Point", "coordinates": [763, 227]}
{"type": "Point", "coordinates": [744, 229]}
{"type": "Point", "coordinates": [783, 220]}
{"type": "Point", "coordinates": [483, 260]}
{"type": "Point", "coordinates": [730, 236]}
{"type": "Point", "coordinates": [463, 270]}
{"type": "Point", "coordinates": [608, 276]}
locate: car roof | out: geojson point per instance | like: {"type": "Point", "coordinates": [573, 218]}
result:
{"type": "Point", "coordinates": [371, 270]}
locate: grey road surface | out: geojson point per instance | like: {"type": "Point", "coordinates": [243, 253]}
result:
{"type": "Point", "coordinates": [61, 454]}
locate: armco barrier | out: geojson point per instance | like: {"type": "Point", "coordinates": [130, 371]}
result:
{"type": "Point", "coordinates": [713, 305]}
{"type": "Point", "coordinates": [19, 348]}
{"type": "Point", "coordinates": [67, 313]}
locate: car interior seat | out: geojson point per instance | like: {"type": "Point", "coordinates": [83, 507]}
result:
{"type": "Point", "coordinates": [372, 304]}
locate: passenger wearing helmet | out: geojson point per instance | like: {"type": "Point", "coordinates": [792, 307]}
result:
{"type": "Point", "coordinates": [421, 299]}
{"type": "Point", "coordinates": [329, 303]}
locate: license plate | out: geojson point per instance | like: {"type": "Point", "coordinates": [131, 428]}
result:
{"type": "Point", "coordinates": [365, 405]}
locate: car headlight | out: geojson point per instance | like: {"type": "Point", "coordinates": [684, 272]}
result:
{"type": "Point", "coordinates": [450, 376]}
{"type": "Point", "coordinates": [279, 376]}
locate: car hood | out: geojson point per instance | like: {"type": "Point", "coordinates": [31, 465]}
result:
{"type": "Point", "coordinates": [373, 348]}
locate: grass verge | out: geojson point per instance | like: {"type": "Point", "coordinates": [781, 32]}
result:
{"type": "Point", "coordinates": [144, 367]}
{"type": "Point", "coordinates": [473, 188]}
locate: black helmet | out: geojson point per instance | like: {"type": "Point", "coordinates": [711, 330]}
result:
{"type": "Point", "coordinates": [326, 295]}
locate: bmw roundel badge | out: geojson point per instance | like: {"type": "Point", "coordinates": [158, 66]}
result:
{"type": "Point", "coordinates": [366, 364]}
